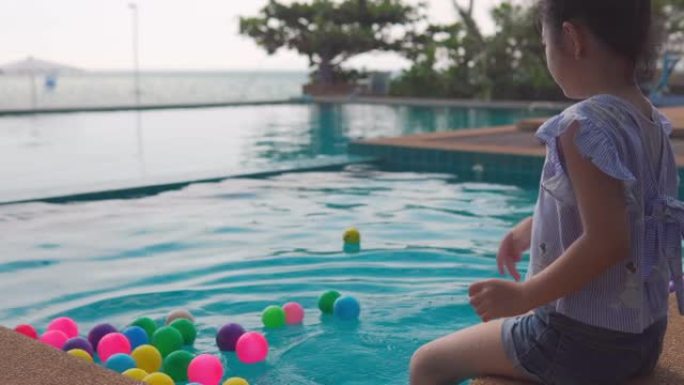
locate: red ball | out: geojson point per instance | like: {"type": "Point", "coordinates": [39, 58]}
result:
{"type": "Point", "coordinates": [27, 330]}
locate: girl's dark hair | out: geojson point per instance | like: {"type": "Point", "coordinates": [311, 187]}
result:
{"type": "Point", "coordinates": [625, 26]}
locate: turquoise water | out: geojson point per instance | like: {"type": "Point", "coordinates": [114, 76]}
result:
{"type": "Point", "coordinates": [66, 153]}
{"type": "Point", "coordinates": [226, 251]}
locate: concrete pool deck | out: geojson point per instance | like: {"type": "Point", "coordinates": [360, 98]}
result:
{"type": "Point", "coordinates": [507, 140]}
{"type": "Point", "coordinates": [24, 361]}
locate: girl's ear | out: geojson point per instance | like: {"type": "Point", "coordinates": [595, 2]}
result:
{"type": "Point", "coordinates": [574, 40]}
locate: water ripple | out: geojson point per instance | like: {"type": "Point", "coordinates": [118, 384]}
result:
{"type": "Point", "coordinates": [227, 250]}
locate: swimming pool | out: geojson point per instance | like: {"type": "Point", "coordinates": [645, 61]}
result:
{"type": "Point", "coordinates": [227, 250]}
{"type": "Point", "coordinates": [62, 154]}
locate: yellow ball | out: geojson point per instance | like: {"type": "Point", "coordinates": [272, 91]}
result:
{"type": "Point", "coordinates": [80, 353]}
{"type": "Point", "coordinates": [352, 236]}
{"type": "Point", "coordinates": [158, 379]}
{"type": "Point", "coordinates": [147, 358]}
{"type": "Point", "coordinates": [136, 374]}
{"type": "Point", "coordinates": [236, 381]}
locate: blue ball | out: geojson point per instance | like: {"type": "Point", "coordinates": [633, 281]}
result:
{"type": "Point", "coordinates": [120, 362]}
{"type": "Point", "coordinates": [136, 336]}
{"type": "Point", "coordinates": [347, 308]}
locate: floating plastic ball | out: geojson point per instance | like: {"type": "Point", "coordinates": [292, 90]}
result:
{"type": "Point", "coordinates": [347, 308]}
{"type": "Point", "coordinates": [179, 314]}
{"type": "Point", "coordinates": [205, 369]}
{"type": "Point", "coordinates": [27, 330]}
{"type": "Point", "coordinates": [64, 324]}
{"type": "Point", "coordinates": [327, 300]}
{"type": "Point", "coordinates": [147, 358]}
{"type": "Point", "coordinates": [176, 365]}
{"type": "Point", "coordinates": [146, 323]}
{"type": "Point", "coordinates": [273, 317]}
{"type": "Point", "coordinates": [120, 362]}
{"type": "Point", "coordinates": [251, 348]}
{"type": "Point", "coordinates": [135, 374]}
{"type": "Point", "coordinates": [54, 338]}
{"type": "Point", "coordinates": [352, 236]}
{"type": "Point", "coordinates": [186, 329]}
{"type": "Point", "coordinates": [79, 343]}
{"type": "Point", "coordinates": [136, 336]}
{"type": "Point", "coordinates": [99, 331]}
{"type": "Point", "coordinates": [236, 381]}
{"type": "Point", "coordinates": [167, 340]}
{"type": "Point", "coordinates": [159, 379]}
{"type": "Point", "coordinates": [80, 353]}
{"type": "Point", "coordinates": [227, 337]}
{"type": "Point", "coordinates": [111, 344]}
{"type": "Point", "coordinates": [294, 313]}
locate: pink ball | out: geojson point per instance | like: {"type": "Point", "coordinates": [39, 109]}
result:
{"type": "Point", "coordinates": [205, 369]}
{"type": "Point", "coordinates": [54, 338]}
{"type": "Point", "coordinates": [64, 324]}
{"type": "Point", "coordinates": [251, 348]}
{"type": "Point", "coordinates": [294, 313]}
{"type": "Point", "coordinates": [27, 330]}
{"type": "Point", "coordinates": [111, 344]}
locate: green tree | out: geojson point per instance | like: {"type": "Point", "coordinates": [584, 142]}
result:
{"type": "Point", "coordinates": [516, 65]}
{"type": "Point", "coordinates": [669, 16]}
{"type": "Point", "coordinates": [423, 50]}
{"type": "Point", "coordinates": [330, 32]}
{"type": "Point", "coordinates": [459, 61]}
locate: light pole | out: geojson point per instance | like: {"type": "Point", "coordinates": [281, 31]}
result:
{"type": "Point", "coordinates": [136, 91]}
{"type": "Point", "coordinates": [134, 11]}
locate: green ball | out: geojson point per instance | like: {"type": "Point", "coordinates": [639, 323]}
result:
{"type": "Point", "coordinates": [176, 365]}
{"type": "Point", "coordinates": [167, 340]}
{"type": "Point", "coordinates": [186, 329]}
{"type": "Point", "coordinates": [147, 324]}
{"type": "Point", "coordinates": [273, 317]}
{"type": "Point", "coordinates": [327, 300]}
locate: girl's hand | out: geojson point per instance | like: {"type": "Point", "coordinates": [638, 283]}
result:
{"type": "Point", "coordinates": [495, 298]}
{"type": "Point", "coordinates": [511, 249]}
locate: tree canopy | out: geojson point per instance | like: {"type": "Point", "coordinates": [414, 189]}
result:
{"type": "Point", "coordinates": [452, 60]}
{"type": "Point", "coordinates": [330, 32]}
{"type": "Point", "coordinates": [459, 61]}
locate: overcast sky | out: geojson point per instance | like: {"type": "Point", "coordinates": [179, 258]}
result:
{"type": "Point", "coordinates": [174, 34]}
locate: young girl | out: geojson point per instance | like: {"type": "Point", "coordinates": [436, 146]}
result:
{"type": "Point", "coordinates": [605, 237]}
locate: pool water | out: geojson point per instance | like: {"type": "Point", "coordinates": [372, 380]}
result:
{"type": "Point", "coordinates": [225, 251]}
{"type": "Point", "coordinates": [61, 154]}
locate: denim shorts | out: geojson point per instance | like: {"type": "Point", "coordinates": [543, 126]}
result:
{"type": "Point", "coordinates": [557, 350]}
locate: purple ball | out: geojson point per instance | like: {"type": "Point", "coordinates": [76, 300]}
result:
{"type": "Point", "coordinates": [78, 343]}
{"type": "Point", "coordinates": [227, 337]}
{"type": "Point", "coordinates": [98, 332]}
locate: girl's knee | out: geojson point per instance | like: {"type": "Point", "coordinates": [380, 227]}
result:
{"type": "Point", "coordinates": [422, 370]}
